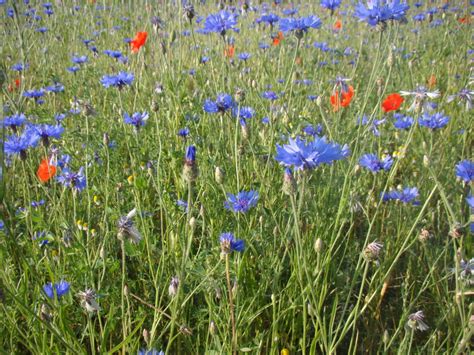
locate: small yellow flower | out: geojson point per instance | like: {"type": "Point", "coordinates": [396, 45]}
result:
{"type": "Point", "coordinates": [93, 232]}
{"type": "Point", "coordinates": [96, 200]}
{"type": "Point", "coordinates": [285, 351]}
{"type": "Point", "coordinates": [131, 178]}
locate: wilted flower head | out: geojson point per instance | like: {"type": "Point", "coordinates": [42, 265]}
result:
{"type": "Point", "coordinates": [173, 288]}
{"type": "Point", "coordinates": [467, 271]}
{"type": "Point", "coordinates": [463, 95]}
{"type": "Point", "coordinates": [241, 202]}
{"type": "Point", "coordinates": [88, 300]}
{"type": "Point", "coordinates": [372, 251]}
{"type": "Point", "coordinates": [126, 229]}
{"type": "Point", "coordinates": [189, 12]}
{"type": "Point", "coordinates": [416, 321]}
{"type": "Point", "coordinates": [229, 243]}
{"type": "Point", "coordinates": [421, 94]}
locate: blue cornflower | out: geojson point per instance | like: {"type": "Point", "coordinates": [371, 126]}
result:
{"type": "Point", "coordinates": [59, 117]}
{"type": "Point", "coordinates": [244, 56]}
{"type": "Point", "coordinates": [407, 195]}
{"type": "Point", "coordinates": [465, 170]}
{"type": "Point", "coordinates": [263, 46]}
{"type": "Point", "coordinates": [290, 11]}
{"type": "Point", "coordinates": [183, 132]}
{"type": "Point", "coordinates": [220, 22]}
{"type": "Point", "coordinates": [307, 155]}
{"type": "Point", "coordinates": [61, 289]}
{"type": "Point", "coordinates": [64, 161]}
{"type": "Point", "coordinates": [204, 60]}
{"type": "Point", "coordinates": [402, 121]}
{"type": "Point", "coordinates": [73, 69]}
{"type": "Point", "coordinates": [42, 30]}
{"type": "Point", "coordinates": [19, 67]}
{"type": "Point", "coordinates": [419, 17]}
{"type": "Point", "coordinates": [270, 95]}
{"type": "Point", "coordinates": [374, 164]}
{"type": "Point", "coordinates": [137, 119]}
{"type": "Point", "coordinates": [435, 121]}
{"type": "Point", "coordinates": [299, 25]}
{"type": "Point", "coordinates": [76, 181]}
{"type": "Point", "coordinates": [241, 202]}
{"type": "Point", "coordinates": [271, 19]}
{"type": "Point", "coordinates": [2, 225]}
{"type": "Point", "coordinates": [223, 103]}
{"type": "Point", "coordinates": [35, 94]}
{"type": "Point", "coordinates": [190, 156]}
{"type": "Point", "coordinates": [243, 112]}
{"type": "Point", "coordinates": [79, 60]}
{"type": "Point", "coordinates": [46, 131]}
{"type": "Point", "coordinates": [310, 130]}
{"type": "Point", "coordinates": [55, 88]}
{"type": "Point", "coordinates": [182, 204]}
{"type": "Point", "coordinates": [19, 144]}
{"type": "Point", "coordinates": [380, 11]}
{"type": "Point", "coordinates": [113, 54]}
{"type": "Point", "coordinates": [14, 121]}
{"type": "Point", "coordinates": [119, 80]}
{"type": "Point", "coordinates": [364, 120]}
{"type": "Point", "coordinates": [331, 4]}
{"type": "Point", "coordinates": [229, 243]}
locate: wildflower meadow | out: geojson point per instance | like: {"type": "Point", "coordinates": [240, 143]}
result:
{"type": "Point", "coordinates": [230, 177]}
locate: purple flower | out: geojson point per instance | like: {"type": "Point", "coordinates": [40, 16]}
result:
{"type": "Point", "coordinates": [46, 131]}
{"type": "Point", "coordinates": [55, 88]}
{"type": "Point", "coordinates": [190, 156]}
{"type": "Point", "coordinates": [35, 94]}
{"type": "Point", "coordinates": [243, 112]}
{"type": "Point", "coordinates": [229, 243]}
{"type": "Point", "coordinates": [465, 171]}
{"type": "Point", "coordinates": [241, 202]}
{"type": "Point", "coordinates": [271, 19]}
{"type": "Point", "coordinates": [374, 164]}
{"type": "Point", "coordinates": [307, 155]}
{"type": "Point", "coordinates": [183, 132]}
{"type": "Point", "coordinates": [79, 60]}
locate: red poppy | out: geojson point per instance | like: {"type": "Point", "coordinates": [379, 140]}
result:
{"type": "Point", "coordinates": [45, 171]}
{"type": "Point", "coordinates": [138, 41]}
{"type": "Point", "coordinates": [337, 25]}
{"type": "Point", "coordinates": [337, 103]}
{"type": "Point", "coordinates": [464, 20]}
{"type": "Point", "coordinates": [229, 51]}
{"type": "Point", "coordinates": [392, 102]}
{"type": "Point", "coordinates": [15, 85]}
{"type": "Point", "coordinates": [278, 38]}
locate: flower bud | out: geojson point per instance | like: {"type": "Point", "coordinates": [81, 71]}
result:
{"type": "Point", "coordinates": [219, 175]}
{"type": "Point", "coordinates": [318, 245]}
{"type": "Point", "coordinates": [289, 183]}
